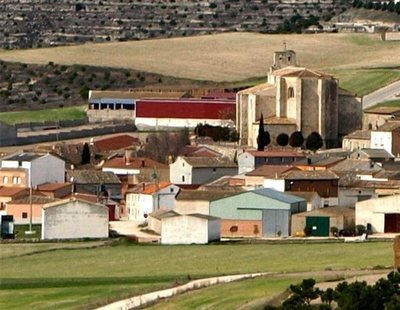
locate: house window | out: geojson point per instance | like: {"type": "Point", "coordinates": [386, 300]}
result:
{"type": "Point", "coordinates": [16, 180]}
{"type": "Point", "coordinates": [24, 215]}
{"type": "Point", "coordinates": [290, 92]}
{"type": "Point", "coordinates": [171, 190]}
{"type": "Point", "coordinates": [5, 180]}
{"type": "Point", "coordinates": [183, 178]}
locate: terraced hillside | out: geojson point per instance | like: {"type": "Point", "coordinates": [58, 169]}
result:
{"type": "Point", "coordinates": [41, 23]}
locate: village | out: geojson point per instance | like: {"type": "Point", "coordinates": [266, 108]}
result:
{"type": "Point", "coordinates": [295, 157]}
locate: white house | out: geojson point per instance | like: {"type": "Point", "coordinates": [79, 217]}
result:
{"type": "Point", "coordinates": [268, 176]}
{"type": "Point", "coordinates": [200, 170]}
{"type": "Point", "coordinates": [146, 198]}
{"type": "Point", "coordinates": [190, 228]}
{"type": "Point", "coordinates": [387, 137]}
{"type": "Point", "coordinates": [383, 214]}
{"type": "Point", "coordinates": [31, 169]}
{"type": "Point", "coordinates": [73, 219]}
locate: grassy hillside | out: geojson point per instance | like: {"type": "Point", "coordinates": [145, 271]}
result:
{"type": "Point", "coordinates": [222, 57]}
{"type": "Point", "coordinates": [75, 278]}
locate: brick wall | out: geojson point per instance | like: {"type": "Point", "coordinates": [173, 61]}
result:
{"type": "Point", "coordinates": [396, 251]}
{"type": "Point", "coordinates": [245, 228]}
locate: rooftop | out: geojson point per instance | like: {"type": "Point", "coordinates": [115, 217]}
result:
{"type": "Point", "coordinates": [36, 199]}
{"type": "Point", "coordinates": [389, 126]}
{"type": "Point", "coordinates": [376, 153]}
{"type": "Point", "coordinates": [270, 171]}
{"type": "Point", "coordinates": [93, 177]}
{"type": "Point", "coordinates": [299, 72]}
{"type": "Point", "coordinates": [24, 156]}
{"type": "Point", "coordinates": [311, 175]}
{"type": "Point", "coordinates": [205, 195]}
{"type": "Point", "coordinates": [115, 143]}
{"type": "Point", "coordinates": [383, 110]}
{"type": "Point", "coordinates": [267, 153]}
{"type": "Point", "coordinates": [260, 89]}
{"type": "Point", "coordinates": [52, 186]}
{"type": "Point", "coordinates": [359, 134]}
{"type": "Point", "coordinates": [6, 191]}
{"type": "Point", "coordinates": [209, 162]}
{"type": "Point", "coordinates": [273, 194]}
{"type": "Point", "coordinates": [134, 163]}
{"type": "Point", "coordinates": [148, 188]}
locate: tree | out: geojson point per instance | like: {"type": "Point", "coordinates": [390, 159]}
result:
{"type": "Point", "coordinates": [296, 139]}
{"type": "Point", "coordinates": [303, 293]}
{"type": "Point", "coordinates": [314, 141]}
{"type": "Point", "coordinates": [282, 139]}
{"type": "Point", "coordinates": [85, 158]}
{"type": "Point", "coordinates": [263, 138]}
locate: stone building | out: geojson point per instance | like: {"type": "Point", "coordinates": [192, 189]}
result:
{"type": "Point", "coordinates": [297, 99]}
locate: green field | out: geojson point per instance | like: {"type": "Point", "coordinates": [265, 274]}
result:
{"type": "Point", "coordinates": [364, 81]}
{"type": "Point", "coordinates": [66, 113]}
{"type": "Point", "coordinates": [390, 103]}
{"type": "Point", "coordinates": [74, 277]}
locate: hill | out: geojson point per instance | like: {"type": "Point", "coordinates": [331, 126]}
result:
{"type": "Point", "coordinates": [362, 15]}
{"type": "Point", "coordinates": [43, 23]}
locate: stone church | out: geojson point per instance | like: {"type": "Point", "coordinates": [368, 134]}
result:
{"type": "Point", "coordinates": [297, 99]}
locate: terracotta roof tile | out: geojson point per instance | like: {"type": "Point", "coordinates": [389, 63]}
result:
{"type": "Point", "coordinates": [52, 186]}
{"type": "Point", "coordinates": [148, 188]}
{"type": "Point", "coordinates": [6, 191]}
{"type": "Point", "coordinates": [134, 163]}
{"type": "Point", "coordinates": [270, 171]}
{"type": "Point", "coordinates": [115, 143]}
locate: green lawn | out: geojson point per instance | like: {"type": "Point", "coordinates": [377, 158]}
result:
{"type": "Point", "coordinates": [390, 103]}
{"type": "Point", "coordinates": [66, 113]}
{"type": "Point", "coordinates": [128, 269]}
{"type": "Point", "coordinates": [365, 81]}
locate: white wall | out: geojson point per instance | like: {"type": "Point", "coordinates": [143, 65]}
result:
{"type": "Point", "coordinates": [179, 122]}
{"type": "Point", "coordinates": [192, 206]}
{"type": "Point", "coordinates": [75, 219]}
{"type": "Point", "coordinates": [47, 169]}
{"type": "Point", "coordinates": [373, 211]}
{"type": "Point", "coordinates": [180, 172]}
{"type": "Point", "coordinates": [276, 184]}
{"type": "Point", "coordinates": [381, 140]}
{"type": "Point", "coordinates": [138, 205]}
{"type": "Point", "coordinates": [246, 162]}
{"type": "Point", "coordinates": [184, 229]}
{"type": "Point", "coordinates": [165, 198]}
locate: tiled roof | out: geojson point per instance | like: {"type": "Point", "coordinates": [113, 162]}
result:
{"type": "Point", "coordinates": [260, 89]}
{"type": "Point", "coordinates": [134, 163]}
{"type": "Point", "coordinates": [22, 156]}
{"type": "Point", "coordinates": [36, 199]}
{"type": "Point", "coordinates": [162, 213]}
{"type": "Point", "coordinates": [376, 153]}
{"type": "Point", "coordinates": [199, 151]}
{"type": "Point", "coordinates": [300, 72]}
{"type": "Point", "coordinates": [276, 153]}
{"type": "Point", "coordinates": [52, 186]}
{"type": "Point", "coordinates": [310, 175]}
{"type": "Point", "coordinates": [383, 110]}
{"type": "Point", "coordinates": [83, 196]}
{"type": "Point", "coordinates": [93, 177]}
{"type": "Point", "coordinates": [331, 211]}
{"type": "Point", "coordinates": [67, 200]}
{"type": "Point", "coordinates": [389, 126]}
{"type": "Point", "coordinates": [354, 165]}
{"type": "Point", "coordinates": [209, 162]}
{"type": "Point", "coordinates": [148, 188]}
{"type": "Point", "coordinates": [273, 194]}
{"type": "Point", "coordinates": [359, 134]}
{"type": "Point", "coordinates": [270, 171]}
{"type": "Point", "coordinates": [115, 143]}
{"type": "Point", "coordinates": [319, 161]}
{"type": "Point", "coordinates": [6, 191]}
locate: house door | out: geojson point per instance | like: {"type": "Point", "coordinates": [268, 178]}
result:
{"type": "Point", "coordinates": [319, 225]}
{"type": "Point", "coordinates": [392, 223]}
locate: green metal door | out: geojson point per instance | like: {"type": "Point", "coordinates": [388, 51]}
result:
{"type": "Point", "coordinates": [318, 225]}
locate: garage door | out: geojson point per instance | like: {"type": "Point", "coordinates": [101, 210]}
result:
{"type": "Point", "coordinates": [318, 225]}
{"type": "Point", "coordinates": [276, 223]}
{"type": "Point", "coordinates": [392, 223]}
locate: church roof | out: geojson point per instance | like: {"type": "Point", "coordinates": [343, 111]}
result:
{"type": "Point", "coordinates": [260, 89]}
{"type": "Point", "coordinates": [299, 72]}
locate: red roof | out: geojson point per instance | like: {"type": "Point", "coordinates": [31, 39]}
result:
{"type": "Point", "coordinates": [52, 186]}
{"type": "Point", "coordinates": [270, 171]}
{"type": "Point", "coordinates": [134, 163]}
{"type": "Point", "coordinates": [276, 154]}
{"type": "Point", "coordinates": [186, 108]}
{"type": "Point", "coordinates": [6, 191]}
{"type": "Point", "coordinates": [148, 188]}
{"type": "Point", "coordinates": [115, 143]}
{"type": "Point", "coordinates": [199, 151]}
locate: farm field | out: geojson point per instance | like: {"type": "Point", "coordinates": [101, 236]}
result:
{"type": "Point", "coordinates": [56, 114]}
{"type": "Point", "coordinates": [72, 277]}
{"type": "Point", "coordinates": [222, 57]}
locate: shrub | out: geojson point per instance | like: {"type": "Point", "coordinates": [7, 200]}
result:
{"type": "Point", "coordinates": [334, 231]}
{"type": "Point", "coordinates": [360, 229]}
{"type": "Point", "coordinates": [296, 139]}
{"type": "Point", "coordinates": [282, 139]}
{"type": "Point", "coordinates": [314, 141]}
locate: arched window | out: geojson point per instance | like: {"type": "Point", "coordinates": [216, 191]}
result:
{"type": "Point", "coordinates": [290, 92]}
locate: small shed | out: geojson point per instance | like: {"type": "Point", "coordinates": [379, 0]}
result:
{"type": "Point", "coordinates": [155, 218]}
{"type": "Point", "coordinates": [190, 229]}
{"type": "Point", "coordinates": [74, 219]}
{"type": "Point", "coordinates": [321, 220]}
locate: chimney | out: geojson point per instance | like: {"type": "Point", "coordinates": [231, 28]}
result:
{"type": "Point", "coordinates": [143, 186]}
{"type": "Point", "coordinates": [143, 162]}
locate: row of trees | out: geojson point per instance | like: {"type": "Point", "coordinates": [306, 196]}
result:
{"type": "Point", "coordinates": [313, 141]}
{"type": "Point", "coordinates": [384, 294]}
{"type": "Point", "coordinates": [377, 5]}
{"type": "Point", "coordinates": [217, 133]}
